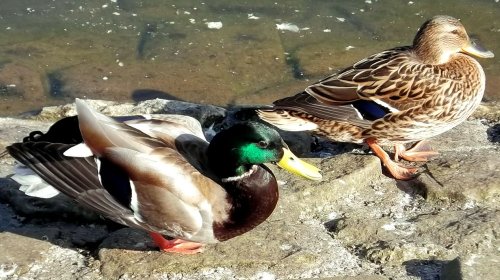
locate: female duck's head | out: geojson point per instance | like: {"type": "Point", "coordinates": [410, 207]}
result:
{"type": "Point", "coordinates": [440, 37]}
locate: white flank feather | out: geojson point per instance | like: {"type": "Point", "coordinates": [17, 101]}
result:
{"type": "Point", "coordinates": [80, 150]}
{"type": "Point", "coordinates": [32, 184]}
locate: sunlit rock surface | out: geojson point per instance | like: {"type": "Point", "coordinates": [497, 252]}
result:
{"type": "Point", "coordinates": [355, 224]}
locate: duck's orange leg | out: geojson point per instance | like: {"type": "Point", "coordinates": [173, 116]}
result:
{"type": "Point", "coordinates": [397, 171]}
{"type": "Point", "coordinates": [176, 245]}
{"type": "Point", "coordinates": [421, 151]}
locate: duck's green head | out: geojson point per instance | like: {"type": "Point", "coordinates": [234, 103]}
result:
{"type": "Point", "coordinates": [443, 36]}
{"type": "Point", "coordinates": [234, 151]}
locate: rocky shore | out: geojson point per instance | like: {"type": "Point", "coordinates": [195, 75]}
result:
{"type": "Point", "coordinates": [356, 223]}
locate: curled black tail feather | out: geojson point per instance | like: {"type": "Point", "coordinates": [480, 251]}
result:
{"type": "Point", "coordinates": [65, 131]}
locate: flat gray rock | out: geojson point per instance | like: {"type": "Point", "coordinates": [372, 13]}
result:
{"type": "Point", "coordinates": [356, 223]}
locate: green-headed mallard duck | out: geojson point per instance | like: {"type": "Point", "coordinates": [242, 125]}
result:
{"type": "Point", "coordinates": [161, 175]}
{"type": "Point", "coordinates": [394, 97]}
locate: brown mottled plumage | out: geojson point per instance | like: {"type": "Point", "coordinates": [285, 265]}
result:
{"type": "Point", "coordinates": [397, 96]}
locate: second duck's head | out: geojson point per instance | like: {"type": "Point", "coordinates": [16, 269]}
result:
{"type": "Point", "coordinates": [443, 36]}
{"type": "Point", "coordinates": [234, 151]}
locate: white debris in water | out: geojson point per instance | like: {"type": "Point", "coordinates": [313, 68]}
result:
{"type": "Point", "coordinates": [252, 16]}
{"type": "Point", "coordinates": [214, 24]}
{"type": "Point", "coordinates": [192, 20]}
{"type": "Point", "coordinates": [30, 10]}
{"type": "Point", "coordinates": [305, 28]}
{"type": "Point", "coordinates": [287, 26]}
{"type": "Point", "coordinates": [341, 19]}
{"type": "Point", "coordinates": [116, 13]}
{"type": "Point", "coordinates": [187, 12]}
{"type": "Point", "coordinates": [109, 31]}
{"type": "Point", "coordinates": [105, 78]}
{"type": "Point", "coordinates": [368, 1]}
{"type": "Point", "coordinates": [410, 3]}
{"type": "Point", "coordinates": [8, 28]}
{"type": "Point", "coordinates": [104, 6]}
{"type": "Point", "coordinates": [11, 85]}
{"type": "Point", "coordinates": [349, 47]}
{"type": "Point", "coordinates": [114, 1]}
{"type": "Point", "coordinates": [327, 30]}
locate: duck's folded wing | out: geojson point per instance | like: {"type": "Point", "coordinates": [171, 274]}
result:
{"type": "Point", "coordinates": [100, 132]}
{"type": "Point", "coordinates": [47, 160]}
{"type": "Point", "coordinates": [182, 133]}
{"type": "Point", "coordinates": [305, 103]}
{"type": "Point", "coordinates": [391, 76]}
{"type": "Point", "coordinates": [75, 177]}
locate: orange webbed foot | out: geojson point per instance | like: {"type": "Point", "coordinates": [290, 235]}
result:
{"type": "Point", "coordinates": [400, 172]}
{"type": "Point", "coordinates": [176, 245]}
{"type": "Point", "coordinates": [397, 171]}
{"type": "Point", "coordinates": [421, 151]}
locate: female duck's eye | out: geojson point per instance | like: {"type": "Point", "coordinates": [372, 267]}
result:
{"type": "Point", "coordinates": [262, 144]}
{"type": "Point", "coordinates": [454, 31]}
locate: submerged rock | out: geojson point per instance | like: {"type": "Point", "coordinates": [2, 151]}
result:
{"type": "Point", "coordinates": [354, 224]}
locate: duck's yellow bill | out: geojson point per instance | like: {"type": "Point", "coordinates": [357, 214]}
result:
{"type": "Point", "coordinates": [477, 50]}
{"type": "Point", "coordinates": [292, 163]}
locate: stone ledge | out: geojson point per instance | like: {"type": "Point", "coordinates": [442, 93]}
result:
{"type": "Point", "coordinates": [355, 224]}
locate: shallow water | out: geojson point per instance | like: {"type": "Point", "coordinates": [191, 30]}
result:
{"type": "Point", "coordinates": [52, 51]}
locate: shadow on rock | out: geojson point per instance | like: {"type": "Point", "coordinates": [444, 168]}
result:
{"type": "Point", "coordinates": [415, 186]}
{"type": "Point", "coordinates": [148, 94]}
{"type": "Point", "coordinates": [434, 269]}
{"type": "Point", "coordinates": [62, 222]}
{"type": "Point", "coordinates": [494, 133]}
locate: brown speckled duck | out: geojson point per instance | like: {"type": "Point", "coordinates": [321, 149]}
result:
{"type": "Point", "coordinates": [161, 175]}
{"type": "Point", "coordinates": [402, 95]}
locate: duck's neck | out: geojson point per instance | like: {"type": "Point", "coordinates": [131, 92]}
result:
{"type": "Point", "coordinates": [223, 160]}
{"type": "Point", "coordinates": [252, 190]}
{"type": "Point", "coordinates": [430, 55]}
{"type": "Point", "coordinates": [253, 199]}
{"type": "Point", "coordinates": [430, 51]}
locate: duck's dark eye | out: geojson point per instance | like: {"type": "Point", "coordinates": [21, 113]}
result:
{"type": "Point", "coordinates": [262, 144]}
{"type": "Point", "coordinates": [454, 31]}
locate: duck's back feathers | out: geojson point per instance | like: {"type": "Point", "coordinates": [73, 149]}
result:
{"type": "Point", "coordinates": [181, 133]}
